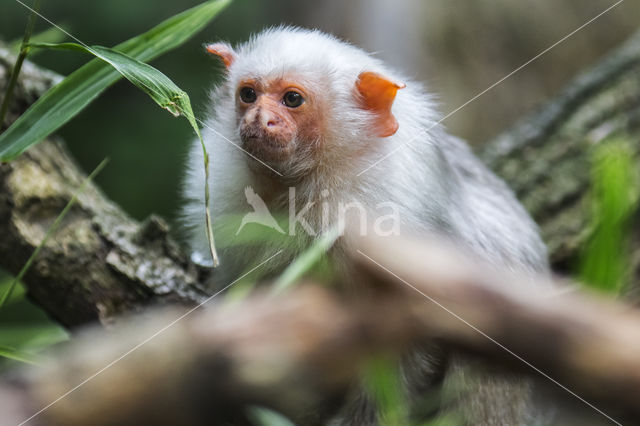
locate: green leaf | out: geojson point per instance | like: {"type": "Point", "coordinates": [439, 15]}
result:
{"type": "Point", "coordinates": [307, 260]}
{"type": "Point", "coordinates": [17, 66]}
{"type": "Point", "coordinates": [163, 91]}
{"type": "Point", "coordinates": [17, 355]}
{"type": "Point", "coordinates": [157, 85]}
{"type": "Point", "coordinates": [31, 336]}
{"type": "Point", "coordinates": [311, 260]}
{"type": "Point", "coordinates": [265, 417]}
{"type": "Point", "coordinates": [50, 35]}
{"type": "Point", "coordinates": [6, 282]}
{"type": "Point", "coordinates": [606, 259]}
{"type": "Point", "coordinates": [382, 380]}
{"type": "Point", "coordinates": [62, 102]}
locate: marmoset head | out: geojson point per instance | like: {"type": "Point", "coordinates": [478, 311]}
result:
{"type": "Point", "coordinates": [301, 96]}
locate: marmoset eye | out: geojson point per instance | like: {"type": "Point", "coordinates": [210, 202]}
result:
{"type": "Point", "coordinates": [248, 95]}
{"type": "Point", "coordinates": [293, 99]}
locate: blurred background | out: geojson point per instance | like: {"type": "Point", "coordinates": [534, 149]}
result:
{"type": "Point", "coordinates": [459, 48]}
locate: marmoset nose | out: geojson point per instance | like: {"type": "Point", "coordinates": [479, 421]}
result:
{"type": "Point", "coordinates": [269, 120]}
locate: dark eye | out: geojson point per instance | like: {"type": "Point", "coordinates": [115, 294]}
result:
{"type": "Point", "coordinates": [293, 99]}
{"type": "Point", "coordinates": [248, 95]}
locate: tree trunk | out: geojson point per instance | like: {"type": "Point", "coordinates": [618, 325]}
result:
{"type": "Point", "coordinates": [546, 157]}
{"type": "Point", "coordinates": [100, 262]}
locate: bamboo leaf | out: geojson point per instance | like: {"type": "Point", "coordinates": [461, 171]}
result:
{"type": "Point", "coordinates": [157, 85]}
{"type": "Point", "coordinates": [163, 91]}
{"type": "Point", "coordinates": [383, 382]}
{"type": "Point", "coordinates": [22, 54]}
{"type": "Point", "coordinates": [50, 35]}
{"type": "Point", "coordinates": [29, 334]}
{"type": "Point", "coordinates": [17, 355]}
{"type": "Point", "coordinates": [62, 102]}
{"type": "Point", "coordinates": [305, 262]}
{"type": "Point", "coordinates": [265, 417]}
{"type": "Point", "coordinates": [605, 260]}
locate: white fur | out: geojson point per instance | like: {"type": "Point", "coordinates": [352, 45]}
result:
{"type": "Point", "coordinates": [434, 178]}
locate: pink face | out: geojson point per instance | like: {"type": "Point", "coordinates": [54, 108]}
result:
{"type": "Point", "coordinates": [277, 119]}
{"type": "Point", "coordinates": [281, 120]}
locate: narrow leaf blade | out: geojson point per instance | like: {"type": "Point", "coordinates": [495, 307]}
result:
{"type": "Point", "coordinates": [310, 257]}
{"type": "Point", "coordinates": [17, 355]}
{"type": "Point", "coordinates": [64, 101]}
{"type": "Point", "coordinates": [153, 82]}
{"type": "Point", "coordinates": [163, 91]}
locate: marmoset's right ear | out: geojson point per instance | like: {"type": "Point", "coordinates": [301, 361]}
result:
{"type": "Point", "coordinates": [224, 51]}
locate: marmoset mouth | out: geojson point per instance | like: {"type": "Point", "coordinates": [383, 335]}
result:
{"type": "Point", "coordinates": [267, 149]}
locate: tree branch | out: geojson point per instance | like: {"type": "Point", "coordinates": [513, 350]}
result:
{"type": "Point", "coordinates": [546, 157]}
{"type": "Point", "coordinates": [213, 364]}
{"type": "Point", "coordinates": [100, 262]}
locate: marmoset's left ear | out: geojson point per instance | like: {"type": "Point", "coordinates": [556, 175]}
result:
{"type": "Point", "coordinates": [224, 51]}
{"type": "Point", "coordinates": [378, 93]}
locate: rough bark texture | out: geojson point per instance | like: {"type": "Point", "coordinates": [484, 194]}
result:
{"type": "Point", "coordinates": [546, 158]}
{"type": "Point", "coordinates": [100, 262]}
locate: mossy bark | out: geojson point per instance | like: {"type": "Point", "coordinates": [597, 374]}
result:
{"type": "Point", "coordinates": [99, 263]}
{"type": "Point", "coordinates": [547, 157]}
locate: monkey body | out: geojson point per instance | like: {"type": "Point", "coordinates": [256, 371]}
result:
{"type": "Point", "coordinates": [355, 112]}
{"type": "Point", "coordinates": [434, 179]}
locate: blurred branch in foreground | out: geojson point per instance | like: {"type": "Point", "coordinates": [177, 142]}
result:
{"type": "Point", "coordinates": [296, 352]}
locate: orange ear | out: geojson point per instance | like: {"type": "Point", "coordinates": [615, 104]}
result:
{"type": "Point", "coordinates": [224, 51]}
{"type": "Point", "coordinates": [378, 93]}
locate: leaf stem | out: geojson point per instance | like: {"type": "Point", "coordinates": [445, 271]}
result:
{"type": "Point", "coordinates": [24, 49]}
{"type": "Point", "coordinates": [207, 210]}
